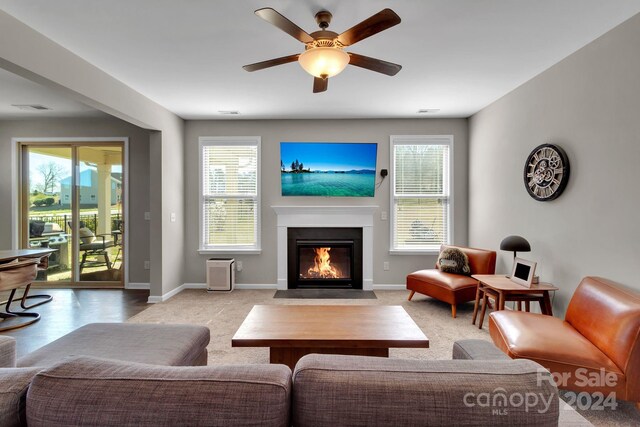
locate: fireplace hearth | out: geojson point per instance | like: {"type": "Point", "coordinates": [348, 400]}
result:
{"type": "Point", "coordinates": [321, 257]}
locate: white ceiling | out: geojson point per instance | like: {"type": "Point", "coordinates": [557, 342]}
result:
{"type": "Point", "coordinates": [457, 55]}
{"type": "Point", "coordinates": [20, 91]}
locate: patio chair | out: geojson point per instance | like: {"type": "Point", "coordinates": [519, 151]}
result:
{"type": "Point", "coordinates": [96, 246]}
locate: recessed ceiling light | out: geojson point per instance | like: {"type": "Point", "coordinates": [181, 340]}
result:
{"type": "Point", "coordinates": [428, 110]}
{"type": "Point", "coordinates": [31, 107]}
{"type": "Point", "coordinates": [230, 112]}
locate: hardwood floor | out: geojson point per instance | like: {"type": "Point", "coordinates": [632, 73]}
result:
{"type": "Point", "coordinates": [72, 308]}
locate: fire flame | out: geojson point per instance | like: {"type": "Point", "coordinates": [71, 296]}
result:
{"type": "Point", "coordinates": [322, 267]}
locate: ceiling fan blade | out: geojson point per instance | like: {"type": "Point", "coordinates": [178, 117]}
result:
{"type": "Point", "coordinates": [271, 63]}
{"type": "Point", "coordinates": [320, 85]}
{"type": "Point", "coordinates": [381, 21]}
{"type": "Point", "coordinates": [373, 64]}
{"type": "Point", "coordinates": [275, 18]}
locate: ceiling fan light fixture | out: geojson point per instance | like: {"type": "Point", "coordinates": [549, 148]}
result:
{"type": "Point", "coordinates": [324, 62]}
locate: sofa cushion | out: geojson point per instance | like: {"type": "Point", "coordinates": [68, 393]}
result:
{"type": "Point", "coordinates": [445, 280]}
{"type": "Point", "coordinates": [371, 391]}
{"type": "Point", "coordinates": [102, 392]}
{"type": "Point", "coordinates": [14, 383]}
{"type": "Point", "coordinates": [175, 345]}
{"type": "Point", "coordinates": [560, 348]}
{"type": "Point", "coordinates": [447, 287]}
{"type": "Point", "coordinates": [86, 235]}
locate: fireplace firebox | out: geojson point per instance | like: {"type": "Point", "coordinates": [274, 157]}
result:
{"type": "Point", "coordinates": [324, 258]}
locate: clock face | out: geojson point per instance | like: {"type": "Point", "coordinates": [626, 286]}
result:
{"type": "Point", "coordinates": [546, 172]}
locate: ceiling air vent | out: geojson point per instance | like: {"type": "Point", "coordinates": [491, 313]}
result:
{"type": "Point", "coordinates": [229, 112]}
{"type": "Point", "coordinates": [31, 107]}
{"type": "Point", "coordinates": [428, 110]}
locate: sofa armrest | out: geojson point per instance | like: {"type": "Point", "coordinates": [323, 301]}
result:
{"type": "Point", "coordinates": [7, 352]}
{"type": "Point", "coordinates": [371, 391]}
{"type": "Point", "coordinates": [477, 350]}
{"type": "Point", "coordinates": [14, 383]}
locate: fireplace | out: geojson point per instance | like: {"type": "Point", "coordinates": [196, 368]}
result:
{"type": "Point", "coordinates": [324, 258]}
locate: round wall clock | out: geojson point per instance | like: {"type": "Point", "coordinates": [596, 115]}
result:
{"type": "Point", "coordinates": [546, 172]}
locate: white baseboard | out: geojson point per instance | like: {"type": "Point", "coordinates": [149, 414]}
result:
{"type": "Point", "coordinates": [156, 299]}
{"type": "Point", "coordinates": [260, 286]}
{"type": "Point", "coordinates": [236, 286]}
{"type": "Point", "coordinates": [263, 286]}
{"type": "Point", "coordinates": [131, 285]}
{"type": "Point", "coordinates": [193, 286]}
{"type": "Point", "coordinates": [382, 287]}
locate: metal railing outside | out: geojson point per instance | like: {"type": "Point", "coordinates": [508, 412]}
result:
{"type": "Point", "coordinates": [86, 220]}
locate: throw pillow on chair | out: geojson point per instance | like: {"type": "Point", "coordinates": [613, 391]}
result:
{"type": "Point", "coordinates": [86, 235]}
{"type": "Point", "coordinates": [453, 260]}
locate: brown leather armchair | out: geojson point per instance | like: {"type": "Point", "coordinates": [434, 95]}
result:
{"type": "Point", "coordinates": [453, 288]}
{"type": "Point", "coordinates": [595, 349]}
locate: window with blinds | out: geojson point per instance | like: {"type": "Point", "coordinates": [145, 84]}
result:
{"type": "Point", "coordinates": [421, 198]}
{"type": "Point", "coordinates": [230, 193]}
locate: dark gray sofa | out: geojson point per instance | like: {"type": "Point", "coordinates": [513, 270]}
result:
{"type": "Point", "coordinates": [328, 390]}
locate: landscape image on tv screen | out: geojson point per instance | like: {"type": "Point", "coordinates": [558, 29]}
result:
{"type": "Point", "coordinates": [328, 169]}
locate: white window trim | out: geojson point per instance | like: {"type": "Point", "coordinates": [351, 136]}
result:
{"type": "Point", "coordinates": [419, 139]}
{"type": "Point", "coordinates": [229, 140]}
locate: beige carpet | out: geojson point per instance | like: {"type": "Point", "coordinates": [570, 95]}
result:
{"type": "Point", "coordinates": [224, 312]}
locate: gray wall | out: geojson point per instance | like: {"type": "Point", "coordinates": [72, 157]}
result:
{"type": "Point", "coordinates": [589, 104]}
{"type": "Point", "coordinates": [261, 269]}
{"type": "Point", "coordinates": [76, 78]}
{"type": "Point", "coordinates": [138, 179]}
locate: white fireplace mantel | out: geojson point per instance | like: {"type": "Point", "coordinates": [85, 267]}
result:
{"type": "Point", "coordinates": [326, 216]}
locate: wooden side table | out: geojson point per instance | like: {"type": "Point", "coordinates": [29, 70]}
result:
{"type": "Point", "coordinates": [508, 290]}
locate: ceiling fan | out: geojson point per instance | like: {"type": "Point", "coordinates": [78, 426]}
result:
{"type": "Point", "coordinates": [324, 56]}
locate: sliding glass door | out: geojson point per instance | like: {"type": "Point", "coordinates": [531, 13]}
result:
{"type": "Point", "coordinates": [47, 212]}
{"type": "Point", "coordinates": [72, 201]}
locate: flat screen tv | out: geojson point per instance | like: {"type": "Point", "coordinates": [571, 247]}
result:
{"type": "Point", "coordinates": [329, 169]}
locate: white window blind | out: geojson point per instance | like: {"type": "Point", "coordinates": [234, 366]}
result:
{"type": "Point", "coordinates": [421, 212]}
{"type": "Point", "coordinates": [230, 203]}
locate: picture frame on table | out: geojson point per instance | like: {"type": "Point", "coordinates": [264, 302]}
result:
{"type": "Point", "coordinates": [523, 272]}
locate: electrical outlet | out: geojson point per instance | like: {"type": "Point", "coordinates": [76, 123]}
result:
{"type": "Point", "coordinates": [383, 215]}
{"type": "Point", "coordinates": [147, 265]}
{"type": "Point", "coordinates": [385, 266]}
{"type": "Point", "coordinates": [238, 265]}
{"type": "Point", "coordinates": [147, 216]}
{"type": "Point", "coordinates": [173, 217]}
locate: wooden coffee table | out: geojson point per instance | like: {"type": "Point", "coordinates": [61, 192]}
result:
{"type": "Point", "coordinates": [291, 331]}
